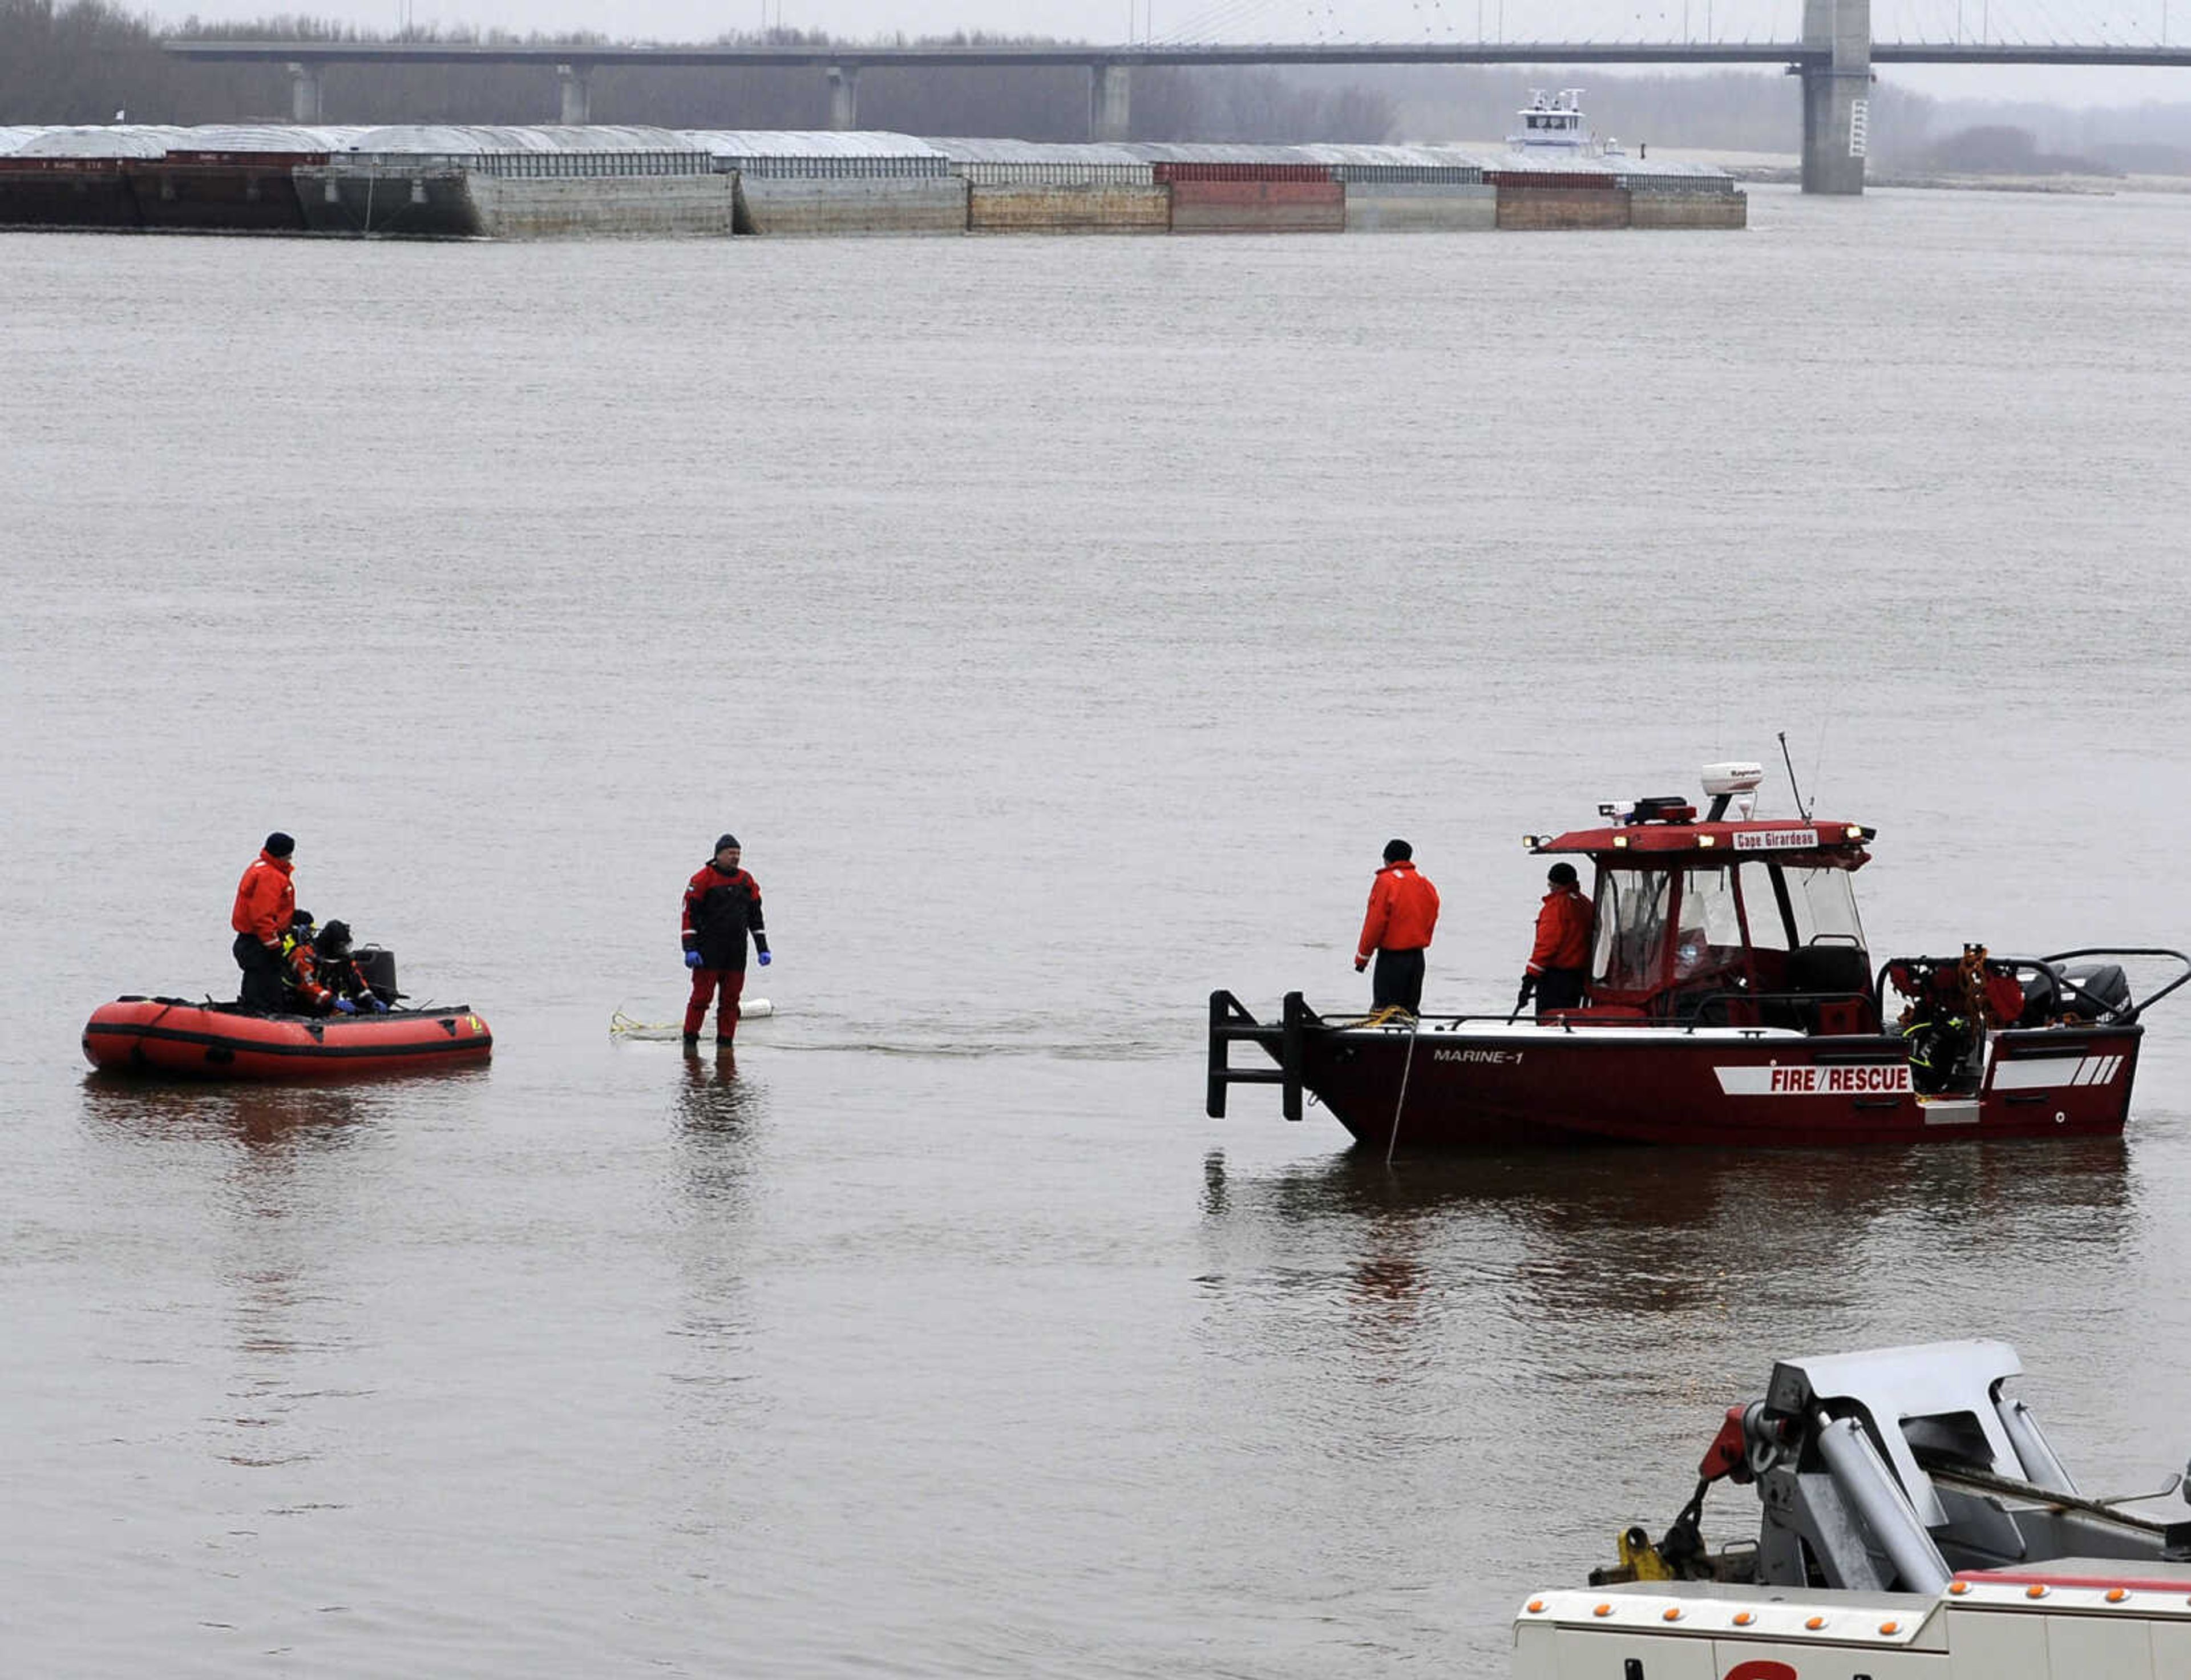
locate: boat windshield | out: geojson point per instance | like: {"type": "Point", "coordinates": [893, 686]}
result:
{"type": "Point", "coordinates": [1711, 928]}
{"type": "Point", "coordinates": [1697, 927]}
{"type": "Point", "coordinates": [1631, 929]}
{"type": "Point", "coordinates": [1823, 902]}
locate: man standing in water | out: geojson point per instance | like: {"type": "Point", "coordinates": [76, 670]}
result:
{"type": "Point", "coordinates": [265, 900]}
{"type": "Point", "coordinates": [722, 905]}
{"type": "Point", "coordinates": [1559, 962]}
{"type": "Point", "coordinates": [1404, 907]}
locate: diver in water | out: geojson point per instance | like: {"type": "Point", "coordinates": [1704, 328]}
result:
{"type": "Point", "coordinates": [336, 967]}
{"type": "Point", "coordinates": [305, 995]}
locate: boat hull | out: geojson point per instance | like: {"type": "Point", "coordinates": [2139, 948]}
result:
{"type": "Point", "coordinates": [1492, 1087]}
{"type": "Point", "coordinates": [167, 1037]}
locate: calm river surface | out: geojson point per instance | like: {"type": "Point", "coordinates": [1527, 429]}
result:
{"type": "Point", "coordinates": [1064, 626]}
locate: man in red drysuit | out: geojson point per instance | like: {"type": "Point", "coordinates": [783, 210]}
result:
{"type": "Point", "coordinates": [265, 901]}
{"type": "Point", "coordinates": [1403, 908]}
{"type": "Point", "coordinates": [1559, 962]}
{"type": "Point", "coordinates": [722, 905]}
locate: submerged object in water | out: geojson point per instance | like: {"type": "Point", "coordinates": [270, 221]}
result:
{"type": "Point", "coordinates": [221, 1041]}
{"type": "Point", "coordinates": [623, 1027]}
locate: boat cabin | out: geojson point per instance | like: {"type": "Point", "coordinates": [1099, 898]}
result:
{"type": "Point", "coordinates": [1552, 120]}
{"type": "Point", "coordinates": [1724, 921]}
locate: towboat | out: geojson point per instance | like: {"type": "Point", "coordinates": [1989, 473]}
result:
{"type": "Point", "coordinates": [1914, 1524]}
{"type": "Point", "coordinates": [210, 1040]}
{"type": "Point", "coordinates": [1732, 1000]}
{"type": "Point", "coordinates": [1553, 123]}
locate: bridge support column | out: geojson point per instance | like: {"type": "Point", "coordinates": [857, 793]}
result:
{"type": "Point", "coordinates": [578, 80]}
{"type": "Point", "coordinates": [844, 95]}
{"type": "Point", "coordinates": [307, 91]}
{"type": "Point", "coordinates": [1109, 102]}
{"type": "Point", "coordinates": [1836, 95]}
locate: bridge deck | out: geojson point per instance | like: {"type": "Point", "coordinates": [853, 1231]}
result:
{"type": "Point", "coordinates": [1268, 52]}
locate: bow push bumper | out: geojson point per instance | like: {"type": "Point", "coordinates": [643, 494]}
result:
{"type": "Point", "coordinates": [1230, 1023]}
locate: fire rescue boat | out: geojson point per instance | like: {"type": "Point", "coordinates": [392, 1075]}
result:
{"type": "Point", "coordinates": [1732, 1000]}
{"type": "Point", "coordinates": [221, 1041]}
{"type": "Point", "coordinates": [1914, 1525]}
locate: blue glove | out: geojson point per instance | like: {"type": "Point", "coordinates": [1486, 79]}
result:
{"type": "Point", "coordinates": [764, 959]}
{"type": "Point", "coordinates": [345, 1005]}
{"type": "Point", "coordinates": [692, 959]}
{"type": "Point", "coordinates": [380, 1004]}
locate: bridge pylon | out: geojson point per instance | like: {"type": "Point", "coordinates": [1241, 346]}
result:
{"type": "Point", "coordinates": [844, 95]}
{"type": "Point", "coordinates": [1837, 73]}
{"type": "Point", "coordinates": [1110, 102]}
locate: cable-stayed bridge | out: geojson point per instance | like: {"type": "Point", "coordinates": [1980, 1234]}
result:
{"type": "Point", "coordinates": [1835, 54]}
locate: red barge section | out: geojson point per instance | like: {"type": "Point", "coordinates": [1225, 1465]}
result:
{"type": "Point", "coordinates": [1732, 1001]}
{"type": "Point", "coordinates": [167, 1036]}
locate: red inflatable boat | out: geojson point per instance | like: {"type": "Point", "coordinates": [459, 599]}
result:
{"type": "Point", "coordinates": [219, 1041]}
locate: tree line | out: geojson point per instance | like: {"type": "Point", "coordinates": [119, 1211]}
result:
{"type": "Point", "coordinates": [82, 61]}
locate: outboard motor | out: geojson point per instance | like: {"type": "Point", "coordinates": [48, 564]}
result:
{"type": "Point", "coordinates": [2100, 990]}
{"type": "Point", "coordinates": [378, 964]}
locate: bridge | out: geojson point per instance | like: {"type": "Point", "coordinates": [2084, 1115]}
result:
{"type": "Point", "coordinates": [1835, 57]}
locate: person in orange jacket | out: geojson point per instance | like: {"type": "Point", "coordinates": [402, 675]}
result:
{"type": "Point", "coordinates": [265, 903]}
{"type": "Point", "coordinates": [1403, 908]}
{"type": "Point", "coordinates": [1559, 962]}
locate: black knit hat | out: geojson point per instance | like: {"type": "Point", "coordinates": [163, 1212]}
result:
{"type": "Point", "coordinates": [334, 937]}
{"type": "Point", "coordinates": [279, 844]}
{"type": "Point", "coordinates": [301, 920]}
{"type": "Point", "coordinates": [722, 840]}
{"type": "Point", "coordinates": [1561, 874]}
{"type": "Point", "coordinates": [1397, 851]}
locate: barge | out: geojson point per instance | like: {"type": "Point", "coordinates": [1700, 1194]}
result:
{"type": "Point", "coordinates": [1732, 1000]}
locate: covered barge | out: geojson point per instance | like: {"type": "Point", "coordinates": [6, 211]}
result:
{"type": "Point", "coordinates": [466, 181]}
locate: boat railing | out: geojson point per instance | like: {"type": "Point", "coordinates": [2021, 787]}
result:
{"type": "Point", "coordinates": [1802, 1006]}
{"type": "Point", "coordinates": [2063, 991]}
{"type": "Point", "coordinates": [2136, 1008]}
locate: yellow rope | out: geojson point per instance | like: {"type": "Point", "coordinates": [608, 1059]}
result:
{"type": "Point", "coordinates": [1393, 1015]}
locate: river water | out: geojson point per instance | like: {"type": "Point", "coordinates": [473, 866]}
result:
{"type": "Point", "coordinates": [1064, 626]}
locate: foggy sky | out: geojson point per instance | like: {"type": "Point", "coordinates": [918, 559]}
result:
{"type": "Point", "coordinates": [1334, 20]}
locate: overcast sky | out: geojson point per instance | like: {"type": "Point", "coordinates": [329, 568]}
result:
{"type": "Point", "coordinates": [2132, 22]}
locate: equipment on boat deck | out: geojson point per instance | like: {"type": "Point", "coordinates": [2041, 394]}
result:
{"type": "Point", "coordinates": [1914, 1522]}
{"type": "Point", "coordinates": [1733, 999]}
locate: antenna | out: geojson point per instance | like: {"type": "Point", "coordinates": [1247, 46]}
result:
{"type": "Point", "coordinates": [1792, 788]}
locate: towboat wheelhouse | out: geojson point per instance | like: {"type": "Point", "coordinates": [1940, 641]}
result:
{"type": "Point", "coordinates": [1552, 121]}
{"type": "Point", "coordinates": [1733, 1000]}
